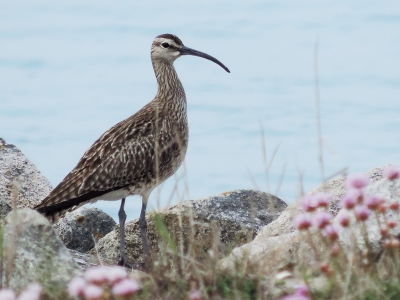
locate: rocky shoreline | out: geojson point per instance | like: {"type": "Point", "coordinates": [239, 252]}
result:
{"type": "Point", "coordinates": [238, 216]}
{"type": "Point", "coordinates": [256, 225]}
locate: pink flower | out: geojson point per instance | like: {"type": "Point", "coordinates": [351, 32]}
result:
{"type": "Point", "coordinates": [394, 205]}
{"type": "Point", "coordinates": [391, 243]}
{"type": "Point", "coordinates": [351, 198]}
{"type": "Point", "coordinates": [384, 230]}
{"type": "Point", "coordinates": [302, 222]}
{"type": "Point", "coordinates": [343, 218]}
{"type": "Point", "coordinates": [373, 202]}
{"type": "Point", "coordinates": [92, 292]}
{"type": "Point", "coordinates": [391, 172]}
{"type": "Point", "coordinates": [326, 268]}
{"type": "Point", "coordinates": [357, 180]}
{"type": "Point", "coordinates": [332, 232]}
{"type": "Point", "coordinates": [32, 292]}
{"type": "Point", "coordinates": [361, 212]}
{"type": "Point", "coordinates": [76, 286]}
{"type": "Point", "coordinates": [382, 208]}
{"type": "Point", "coordinates": [392, 223]}
{"type": "Point", "coordinates": [194, 295]}
{"type": "Point", "coordinates": [322, 219]}
{"type": "Point", "coordinates": [35, 288]}
{"type": "Point", "coordinates": [126, 287]}
{"type": "Point", "coordinates": [7, 294]}
{"type": "Point", "coordinates": [28, 296]}
{"type": "Point", "coordinates": [302, 290]}
{"type": "Point", "coordinates": [301, 293]}
{"type": "Point", "coordinates": [386, 243]}
{"type": "Point", "coordinates": [295, 297]}
{"type": "Point", "coordinates": [323, 199]}
{"type": "Point", "coordinates": [335, 250]}
{"type": "Point", "coordinates": [395, 243]}
{"type": "Point", "coordinates": [97, 275]}
{"type": "Point", "coordinates": [116, 274]}
{"type": "Point", "coordinates": [309, 203]}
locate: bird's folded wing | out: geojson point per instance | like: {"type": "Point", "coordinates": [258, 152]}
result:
{"type": "Point", "coordinates": [110, 165]}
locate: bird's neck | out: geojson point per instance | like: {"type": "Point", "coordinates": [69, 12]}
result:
{"type": "Point", "coordinates": [169, 86]}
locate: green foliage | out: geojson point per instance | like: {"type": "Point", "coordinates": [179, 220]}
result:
{"type": "Point", "coordinates": [163, 231]}
{"type": "Point", "coordinates": [245, 288]}
{"type": "Point", "coordinates": [386, 290]}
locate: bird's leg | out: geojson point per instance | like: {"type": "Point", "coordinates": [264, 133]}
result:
{"type": "Point", "coordinates": [143, 234]}
{"type": "Point", "coordinates": [122, 217]}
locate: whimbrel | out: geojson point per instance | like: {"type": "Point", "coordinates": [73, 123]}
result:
{"type": "Point", "coordinates": [134, 156]}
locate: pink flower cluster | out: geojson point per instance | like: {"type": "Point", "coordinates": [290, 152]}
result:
{"type": "Point", "coordinates": [32, 292]}
{"type": "Point", "coordinates": [96, 279]}
{"type": "Point", "coordinates": [357, 181]}
{"type": "Point", "coordinates": [311, 202]}
{"type": "Point", "coordinates": [319, 219]}
{"type": "Point", "coordinates": [356, 200]}
{"type": "Point", "coordinates": [391, 172]}
{"type": "Point", "coordinates": [363, 205]}
{"type": "Point", "coordinates": [301, 293]}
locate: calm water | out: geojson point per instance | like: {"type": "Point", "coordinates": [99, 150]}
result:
{"type": "Point", "coordinates": [69, 71]}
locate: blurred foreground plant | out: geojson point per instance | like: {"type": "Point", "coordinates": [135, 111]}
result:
{"type": "Point", "coordinates": [353, 266]}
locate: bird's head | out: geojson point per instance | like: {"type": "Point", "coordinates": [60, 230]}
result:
{"type": "Point", "coordinates": [169, 47]}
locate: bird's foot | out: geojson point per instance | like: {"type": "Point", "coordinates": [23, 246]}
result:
{"type": "Point", "coordinates": [134, 265]}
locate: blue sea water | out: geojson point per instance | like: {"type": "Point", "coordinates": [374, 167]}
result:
{"type": "Point", "coordinates": [70, 70]}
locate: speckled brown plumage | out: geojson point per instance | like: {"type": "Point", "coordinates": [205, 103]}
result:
{"type": "Point", "coordinates": [137, 154]}
{"type": "Point", "coordinates": [124, 157]}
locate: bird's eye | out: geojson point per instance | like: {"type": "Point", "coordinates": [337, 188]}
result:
{"type": "Point", "coordinates": [165, 45]}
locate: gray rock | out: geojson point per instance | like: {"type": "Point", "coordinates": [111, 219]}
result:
{"type": "Point", "coordinates": [85, 260]}
{"type": "Point", "coordinates": [245, 208]}
{"type": "Point", "coordinates": [5, 208]}
{"type": "Point", "coordinates": [35, 253]}
{"type": "Point", "coordinates": [80, 229]}
{"type": "Point", "coordinates": [237, 216]}
{"type": "Point", "coordinates": [19, 178]}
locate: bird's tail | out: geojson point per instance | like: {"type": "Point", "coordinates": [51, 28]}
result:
{"type": "Point", "coordinates": [54, 206]}
{"type": "Point", "coordinates": [55, 212]}
{"type": "Point", "coordinates": [66, 198]}
{"type": "Point", "coordinates": [53, 217]}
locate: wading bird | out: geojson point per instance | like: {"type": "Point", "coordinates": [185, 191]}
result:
{"type": "Point", "coordinates": [137, 154]}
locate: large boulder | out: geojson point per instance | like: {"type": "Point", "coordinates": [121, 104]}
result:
{"type": "Point", "coordinates": [82, 228]}
{"type": "Point", "coordinates": [86, 260]}
{"type": "Point", "coordinates": [236, 217]}
{"type": "Point", "coordinates": [336, 187]}
{"type": "Point", "coordinates": [33, 252]}
{"type": "Point", "coordinates": [21, 184]}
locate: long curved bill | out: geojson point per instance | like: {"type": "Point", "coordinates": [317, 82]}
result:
{"type": "Point", "coordinates": [188, 51]}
